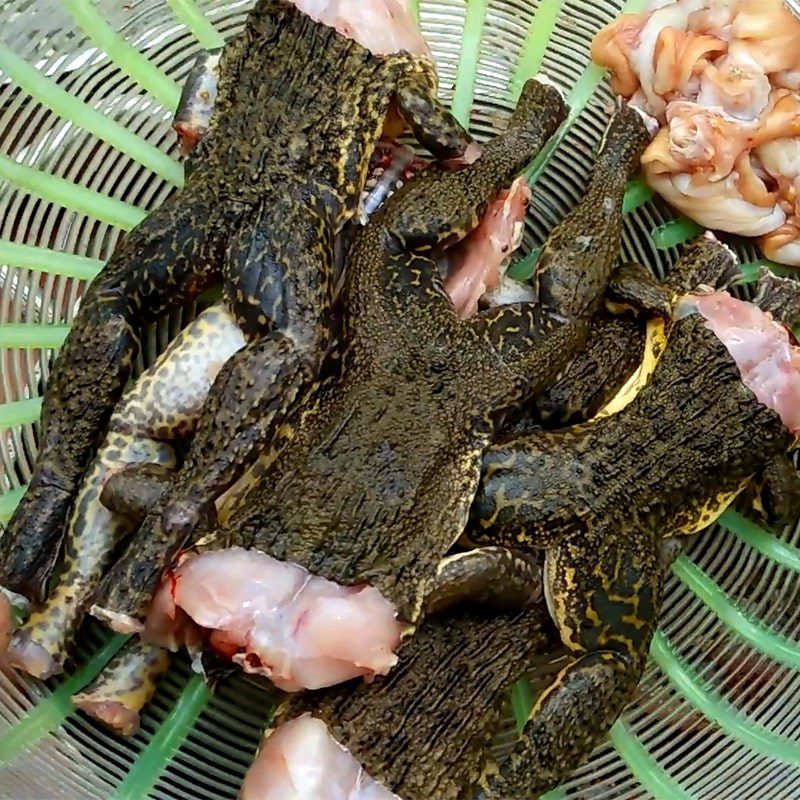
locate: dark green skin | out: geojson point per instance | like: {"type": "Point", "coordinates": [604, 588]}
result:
{"type": "Point", "coordinates": [375, 484]}
{"type": "Point", "coordinates": [278, 174]}
{"type": "Point", "coordinates": [425, 731]}
{"type": "Point", "coordinates": [599, 498]}
{"type": "Point", "coordinates": [616, 342]}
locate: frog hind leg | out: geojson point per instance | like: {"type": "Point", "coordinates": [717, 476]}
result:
{"type": "Point", "coordinates": [126, 685]}
{"type": "Point", "coordinates": [434, 127]}
{"type": "Point", "coordinates": [607, 623]}
{"type": "Point", "coordinates": [778, 492]}
{"type": "Point", "coordinates": [440, 206]}
{"type": "Point", "coordinates": [168, 260]}
{"type": "Point", "coordinates": [488, 577]}
{"type": "Point", "coordinates": [278, 286]}
{"type": "Point", "coordinates": [160, 408]}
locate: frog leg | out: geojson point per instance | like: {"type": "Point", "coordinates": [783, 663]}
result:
{"type": "Point", "coordinates": [169, 259]}
{"type": "Point", "coordinates": [493, 577]}
{"type": "Point", "coordinates": [160, 408]}
{"type": "Point", "coordinates": [434, 127]}
{"type": "Point", "coordinates": [277, 282]}
{"type": "Point", "coordinates": [778, 492]}
{"type": "Point", "coordinates": [135, 490]}
{"type": "Point", "coordinates": [440, 206]}
{"type": "Point", "coordinates": [604, 596]}
{"type": "Point", "coordinates": [126, 685]}
{"type": "Point", "coordinates": [632, 287]}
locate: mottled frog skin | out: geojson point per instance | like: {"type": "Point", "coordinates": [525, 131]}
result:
{"type": "Point", "coordinates": [425, 731]}
{"type": "Point", "coordinates": [298, 113]}
{"type": "Point", "coordinates": [599, 498]}
{"type": "Point", "coordinates": [626, 338]}
{"type": "Point", "coordinates": [376, 481]}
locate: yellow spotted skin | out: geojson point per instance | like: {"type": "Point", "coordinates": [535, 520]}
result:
{"type": "Point", "coordinates": [600, 498]}
{"type": "Point", "coordinates": [126, 685]}
{"type": "Point", "coordinates": [625, 344]}
{"type": "Point", "coordinates": [298, 113]}
{"type": "Point", "coordinates": [163, 406]}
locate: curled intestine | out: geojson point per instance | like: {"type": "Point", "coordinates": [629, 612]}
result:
{"type": "Point", "coordinates": [723, 79]}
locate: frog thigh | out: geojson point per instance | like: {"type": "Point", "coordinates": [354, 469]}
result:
{"type": "Point", "coordinates": [494, 577]}
{"type": "Point", "coordinates": [605, 603]}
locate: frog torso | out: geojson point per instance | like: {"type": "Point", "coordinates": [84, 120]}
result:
{"type": "Point", "coordinates": [666, 464]}
{"type": "Point", "coordinates": [376, 482]}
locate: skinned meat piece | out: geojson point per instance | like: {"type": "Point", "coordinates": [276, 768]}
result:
{"type": "Point", "coordinates": [764, 351]}
{"type": "Point", "coordinates": [781, 159]}
{"type": "Point", "coordinates": [382, 26]}
{"type": "Point", "coordinates": [302, 761]}
{"type": "Point", "coordinates": [651, 51]}
{"type": "Point", "coordinates": [275, 619]}
{"type": "Point", "coordinates": [477, 264]}
{"type": "Point", "coordinates": [703, 139]}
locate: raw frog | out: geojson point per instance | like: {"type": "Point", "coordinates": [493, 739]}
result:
{"type": "Point", "coordinates": [374, 486]}
{"type": "Point", "coordinates": [278, 174]}
{"type": "Point", "coordinates": [720, 411]}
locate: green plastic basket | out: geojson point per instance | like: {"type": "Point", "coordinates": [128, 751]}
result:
{"type": "Point", "coordinates": [86, 150]}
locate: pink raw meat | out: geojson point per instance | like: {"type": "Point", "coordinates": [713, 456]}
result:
{"type": "Point", "coordinates": [276, 619]}
{"type": "Point", "coordinates": [302, 761]}
{"type": "Point", "coordinates": [762, 348]}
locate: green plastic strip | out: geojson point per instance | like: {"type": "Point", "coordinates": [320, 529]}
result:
{"type": "Point", "coordinates": [647, 770]}
{"type": "Point", "coordinates": [751, 269]}
{"type": "Point", "coordinates": [535, 45]}
{"type": "Point", "coordinates": [9, 501]}
{"type": "Point", "coordinates": [467, 72]}
{"type": "Point", "coordinates": [521, 702]}
{"type": "Point", "coordinates": [51, 712]}
{"type": "Point", "coordinates": [763, 639]}
{"type": "Point", "coordinates": [637, 193]}
{"type": "Point", "coordinates": [171, 734]}
{"type": "Point", "coordinates": [718, 710]}
{"type": "Point", "coordinates": [413, 7]}
{"type": "Point", "coordinates": [675, 232]}
{"type": "Point", "coordinates": [47, 92]}
{"type": "Point", "coordinates": [20, 412]}
{"type": "Point", "coordinates": [71, 195]}
{"type": "Point", "coordinates": [577, 99]}
{"type": "Point", "coordinates": [126, 57]}
{"type": "Point", "coordinates": [52, 262]}
{"type": "Point", "coordinates": [31, 336]}
{"type": "Point", "coordinates": [194, 19]}
{"type": "Point", "coordinates": [762, 541]}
